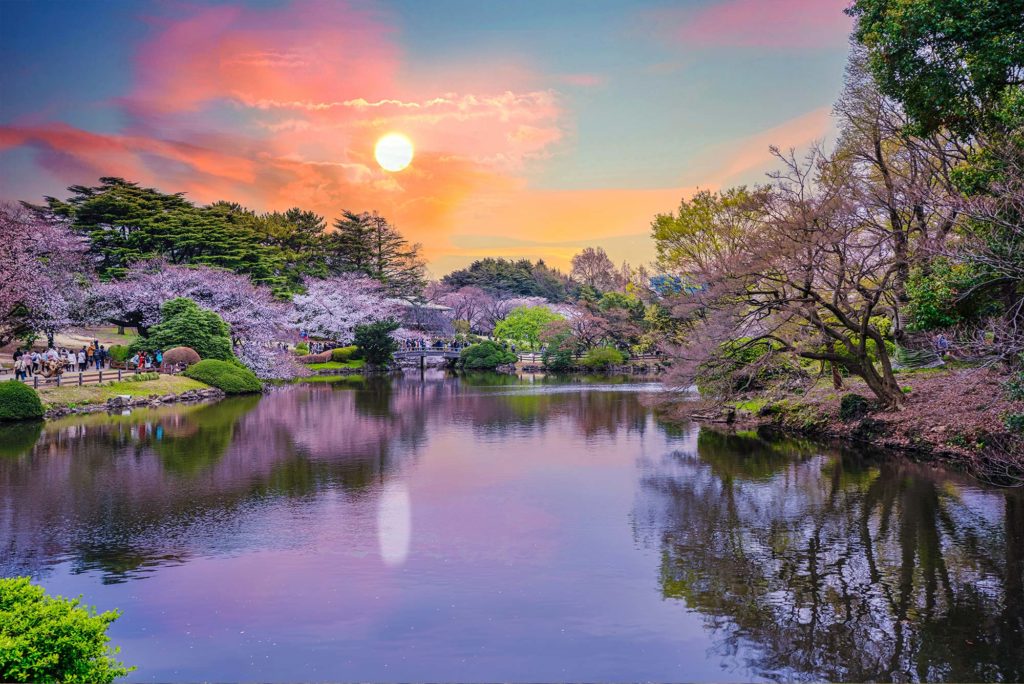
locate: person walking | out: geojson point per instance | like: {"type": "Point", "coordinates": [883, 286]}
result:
{"type": "Point", "coordinates": [158, 358]}
{"type": "Point", "coordinates": [100, 357]}
{"type": "Point", "coordinates": [82, 360]}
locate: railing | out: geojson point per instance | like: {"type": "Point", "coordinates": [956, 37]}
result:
{"type": "Point", "coordinates": [38, 380]}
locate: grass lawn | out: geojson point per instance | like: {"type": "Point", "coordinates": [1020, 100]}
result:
{"type": "Point", "coordinates": [336, 365]}
{"type": "Point", "coordinates": [355, 379]}
{"type": "Point", "coordinates": [73, 395]}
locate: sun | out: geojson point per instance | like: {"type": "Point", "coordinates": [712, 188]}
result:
{"type": "Point", "coordinates": [393, 152]}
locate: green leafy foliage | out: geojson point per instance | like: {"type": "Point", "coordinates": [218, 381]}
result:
{"type": "Point", "coordinates": [560, 347]}
{"type": "Point", "coordinates": [53, 639]}
{"type": "Point", "coordinates": [504, 277]}
{"type": "Point", "coordinates": [935, 295]}
{"type": "Point", "coordinates": [486, 356]}
{"type": "Point", "coordinates": [18, 401]}
{"type": "Point", "coordinates": [228, 377]}
{"type": "Point", "coordinates": [853, 406]}
{"type": "Point", "coordinates": [375, 343]}
{"type": "Point", "coordinates": [366, 243]}
{"type": "Point", "coordinates": [602, 358]}
{"type": "Point", "coordinates": [140, 377]}
{"type": "Point", "coordinates": [119, 353]}
{"type": "Point", "coordinates": [342, 354]}
{"type": "Point", "coordinates": [949, 63]}
{"type": "Point", "coordinates": [185, 323]}
{"type": "Point", "coordinates": [302, 348]}
{"type": "Point", "coordinates": [524, 324]}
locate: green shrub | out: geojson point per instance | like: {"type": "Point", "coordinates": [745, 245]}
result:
{"type": "Point", "coordinates": [119, 353]}
{"type": "Point", "coordinates": [225, 376]}
{"type": "Point", "coordinates": [140, 377]}
{"type": "Point", "coordinates": [183, 323]}
{"type": "Point", "coordinates": [485, 356]}
{"type": "Point", "coordinates": [302, 348]}
{"type": "Point", "coordinates": [602, 358]}
{"type": "Point", "coordinates": [853, 406]}
{"type": "Point", "coordinates": [18, 401]}
{"type": "Point", "coordinates": [53, 639]}
{"type": "Point", "coordinates": [375, 343]}
{"type": "Point", "coordinates": [342, 354]}
{"type": "Point", "coordinates": [1015, 422]}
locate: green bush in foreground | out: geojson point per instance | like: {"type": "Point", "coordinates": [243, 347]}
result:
{"type": "Point", "coordinates": [342, 354]}
{"type": "Point", "coordinates": [485, 356]}
{"type": "Point", "coordinates": [227, 377]}
{"type": "Point", "coordinates": [53, 639]}
{"type": "Point", "coordinates": [602, 358]}
{"type": "Point", "coordinates": [18, 401]}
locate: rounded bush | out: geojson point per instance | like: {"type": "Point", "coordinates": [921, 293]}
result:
{"type": "Point", "coordinates": [185, 355]}
{"type": "Point", "coordinates": [486, 356]}
{"type": "Point", "coordinates": [602, 358]}
{"type": "Point", "coordinates": [342, 354]}
{"type": "Point", "coordinates": [225, 376]}
{"type": "Point", "coordinates": [119, 353]}
{"type": "Point", "coordinates": [18, 401]}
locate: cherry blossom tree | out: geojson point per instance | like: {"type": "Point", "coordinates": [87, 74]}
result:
{"type": "Point", "coordinates": [468, 304]}
{"type": "Point", "coordinates": [333, 307]}
{"type": "Point", "coordinates": [43, 270]}
{"type": "Point", "coordinates": [135, 301]}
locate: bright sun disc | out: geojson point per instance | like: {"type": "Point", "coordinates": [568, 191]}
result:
{"type": "Point", "coordinates": [393, 152]}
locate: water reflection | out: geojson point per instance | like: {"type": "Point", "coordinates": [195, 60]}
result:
{"type": "Point", "coordinates": [838, 567]}
{"type": "Point", "coordinates": [488, 527]}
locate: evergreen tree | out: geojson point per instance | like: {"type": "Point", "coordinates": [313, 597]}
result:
{"type": "Point", "coordinates": [366, 243]}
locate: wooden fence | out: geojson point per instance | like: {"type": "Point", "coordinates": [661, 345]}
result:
{"type": "Point", "coordinates": [38, 380]}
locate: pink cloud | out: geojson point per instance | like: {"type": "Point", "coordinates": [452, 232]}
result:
{"type": "Point", "coordinates": [764, 24]}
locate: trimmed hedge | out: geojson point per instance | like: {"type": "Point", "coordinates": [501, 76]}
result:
{"type": "Point", "coordinates": [119, 353]}
{"type": "Point", "coordinates": [342, 354]}
{"type": "Point", "coordinates": [18, 401]}
{"type": "Point", "coordinates": [485, 356]}
{"type": "Point", "coordinates": [601, 358]}
{"type": "Point", "coordinates": [185, 355]}
{"type": "Point", "coordinates": [225, 376]}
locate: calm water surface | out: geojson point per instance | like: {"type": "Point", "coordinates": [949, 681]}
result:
{"type": "Point", "coordinates": [505, 529]}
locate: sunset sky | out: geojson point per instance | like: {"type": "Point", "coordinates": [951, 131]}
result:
{"type": "Point", "coordinates": [540, 127]}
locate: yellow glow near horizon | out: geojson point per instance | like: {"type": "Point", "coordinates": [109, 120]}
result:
{"type": "Point", "coordinates": [393, 152]}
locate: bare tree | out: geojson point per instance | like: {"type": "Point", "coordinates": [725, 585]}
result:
{"type": "Point", "coordinates": [805, 272]}
{"type": "Point", "coordinates": [593, 267]}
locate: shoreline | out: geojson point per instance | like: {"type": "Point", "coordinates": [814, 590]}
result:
{"type": "Point", "coordinates": [952, 417]}
{"type": "Point", "coordinates": [121, 402]}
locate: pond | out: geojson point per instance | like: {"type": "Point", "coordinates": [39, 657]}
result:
{"type": "Point", "coordinates": [515, 529]}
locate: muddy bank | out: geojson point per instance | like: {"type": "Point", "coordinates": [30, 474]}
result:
{"type": "Point", "coordinates": [957, 417]}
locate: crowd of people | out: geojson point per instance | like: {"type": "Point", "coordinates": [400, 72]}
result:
{"type": "Point", "coordinates": [29, 362]}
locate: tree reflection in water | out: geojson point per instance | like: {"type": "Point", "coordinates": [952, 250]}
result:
{"type": "Point", "coordinates": [834, 567]}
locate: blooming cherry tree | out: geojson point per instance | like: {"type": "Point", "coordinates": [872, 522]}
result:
{"type": "Point", "coordinates": [250, 310]}
{"type": "Point", "coordinates": [43, 270]}
{"type": "Point", "coordinates": [332, 308]}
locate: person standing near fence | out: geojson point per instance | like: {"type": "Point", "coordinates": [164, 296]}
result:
{"type": "Point", "coordinates": [100, 357]}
